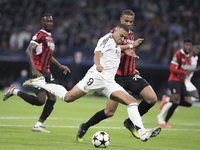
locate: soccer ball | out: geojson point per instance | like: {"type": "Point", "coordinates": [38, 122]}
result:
{"type": "Point", "coordinates": [101, 139]}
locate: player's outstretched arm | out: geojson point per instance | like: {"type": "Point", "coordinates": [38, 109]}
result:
{"type": "Point", "coordinates": [197, 69]}
{"type": "Point", "coordinates": [131, 53]}
{"type": "Point", "coordinates": [133, 45]}
{"type": "Point", "coordinates": [65, 69]}
{"type": "Point", "coordinates": [137, 42]}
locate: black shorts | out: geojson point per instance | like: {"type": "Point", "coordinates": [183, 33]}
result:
{"type": "Point", "coordinates": [134, 83]}
{"type": "Point", "coordinates": [177, 87]}
{"type": "Point", "coordinates": [48, 78]}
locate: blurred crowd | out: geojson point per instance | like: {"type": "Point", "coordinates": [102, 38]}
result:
{"type": "Point", "coordinates": [78, 24]}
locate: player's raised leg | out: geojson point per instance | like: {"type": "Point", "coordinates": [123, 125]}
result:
{"type": "Point", "coordinates": [55, 89]}
{"type": "Point", "coordinates": [124, 98]}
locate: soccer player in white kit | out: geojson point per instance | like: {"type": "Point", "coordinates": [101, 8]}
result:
{"type": "Point", "coordinates": [100, 77]}
{"type": "Point", "coordinates": [166, 102]}
{"type": "Point", "coordinates": [194, 60]}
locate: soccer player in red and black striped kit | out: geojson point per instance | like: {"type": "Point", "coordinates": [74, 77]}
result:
{"type": "Point", "coordinates": [43, 45]}
{"type": "Point", "coordinates": [128, 77]}
{"type": "Point", "coordinates": [179, 69]}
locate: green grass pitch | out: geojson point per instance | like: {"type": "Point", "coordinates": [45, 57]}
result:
{"type": "Point", "coordinates": [18, 117]}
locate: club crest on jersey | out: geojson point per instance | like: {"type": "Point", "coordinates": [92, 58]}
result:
{"type": "Point", "coordinates": [85, 87]}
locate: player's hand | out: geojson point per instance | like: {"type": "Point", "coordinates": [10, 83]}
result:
{"type": "Point", "coordinates": [36, 73]}
{"type": "Point", "coordinates": [131, 53]}
{"type": "Point", "coordinates": [187, 72]}
{"type": "Point", "coordinates": [99, 68]}
{"type": "Point", "coordinates": [65, 69]}
{"type": "Point", "coordinates": [137, 71]}
{"type": "Point", "coordinates": [137, 42]}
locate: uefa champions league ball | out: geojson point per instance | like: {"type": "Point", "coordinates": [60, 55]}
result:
{"type": "Point", "coordinates": [101, 139]}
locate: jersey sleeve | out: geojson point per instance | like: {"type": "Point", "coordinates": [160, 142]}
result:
{"type": "Point", "coordinates": [37, 38]}
{"type": "Point", "coordinates": [174, 65]}
{"type": "Point", "coordinates": [100, 47]}
{"type": "Point", "coordinates": [175, 59]}
{"type": "Point", "coordinates": [173, 68]}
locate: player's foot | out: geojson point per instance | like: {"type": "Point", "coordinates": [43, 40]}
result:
{"type": "Point", "coordinates": [163, 102]}
{"type": "Point", "coordinates": [9, 92]}
{"type": "Point", "coordinates": [131, 128]}
{"type": "Point", "coordinates": [40, 129]}
{"type": "Point", "coordinates": [34, 82]}
{"type": "Point", "coordinates": [160, 119]}
{"type": "Point", "coordinates": [80, 133]}
{"type": "Point", "coordinates": [150, 133]}
{"type": "Point", "coordinates": [166, 125]}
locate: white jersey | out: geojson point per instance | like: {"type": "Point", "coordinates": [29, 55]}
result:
{"type": "Point", "coordinates": [188, 83]}
{"type": "Point", "coordinates": [103, 82]}
{"type": "Point", "coordinates": [111, 56]}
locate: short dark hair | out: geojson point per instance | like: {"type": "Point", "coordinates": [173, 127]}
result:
{"type": "Point", "coordinates": [128, 12]}
{"type": "Point", "coordinates": [123, 26]}
{"type": "Point", "coordinates": [46, 14]}
{"type": "Point", "coordinates": [188, 40]}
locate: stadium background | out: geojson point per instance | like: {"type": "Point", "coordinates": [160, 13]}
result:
{"type": "Point", "coordinates": [78, 24]}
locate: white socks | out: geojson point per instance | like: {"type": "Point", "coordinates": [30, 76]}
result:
{"type": "Point", "coordinates": [165, 109]}
{"type": "Point", "coordinates": [55, 89]}
{"type": "Point", "coordinates": [134, 115]}
{"type": "Point", "coordinates": [15, 91]}
{"type": "Point", "coordinates": [193, 99]}
{"type": "Point", "coordinates": [38, 124]}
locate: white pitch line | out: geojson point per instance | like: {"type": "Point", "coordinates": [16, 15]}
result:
{"type": "Point", "coordinates": [55, 126]}
{"type": "Point", "coordinates": [84, 119]}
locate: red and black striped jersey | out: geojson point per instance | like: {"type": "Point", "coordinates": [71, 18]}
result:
{"type": "Point", "coordinates": [179, 64]}
{"type": "Point", "coordinates": [127, 63]}
{"type": "Point", "coordinates": [44, 50]}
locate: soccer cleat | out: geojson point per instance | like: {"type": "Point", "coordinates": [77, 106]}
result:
{"type": "Point", "coordinates": [9, 93]}
{"type": "Point", "coordinates": [166, 125]}
{"type": "Point", "coordinates": [150, 133]}
{"type": "Point", "coordinates": [160, 119]}
{"type": "Point", "coordinates": [80, 133]}
{"type": "Point", "coordinates": [163, 102]}
{"type": "Point", "coordinates": [131, 128]}
{"type": "Point", "coordinates": [34, 82]}
{"type": "Point", "coordinates": [40, 129]}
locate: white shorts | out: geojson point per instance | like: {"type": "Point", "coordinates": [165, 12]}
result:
{"type": "Point", "coordinates": [189, 86]}
{"type": "Point", "coordinates": [96, 82]}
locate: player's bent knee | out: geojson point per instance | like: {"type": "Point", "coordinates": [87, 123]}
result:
{"type": "Point", "coordinates": [109, 113]}
{"type": "Point", "coordinates": [154, 100]}
{"type": "Point", "coordinates": [69, 99]}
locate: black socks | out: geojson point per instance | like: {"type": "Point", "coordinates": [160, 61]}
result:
{"type": "Point", "coordinates": [47, 110]}
{"type": "Point", "coordinates": [171, 111]}
{"type": "Point", "coordinates": [99, 116]}
{"type": "Point", "coordinates": [144, 107]}
{"type": "Point", "coordinates": [29, 98]}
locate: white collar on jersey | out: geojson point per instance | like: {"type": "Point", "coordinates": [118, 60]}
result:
{"type": "Point", "coordinates": [45, 31]}
{"type": "Point", "coordinates": [187, 55]}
